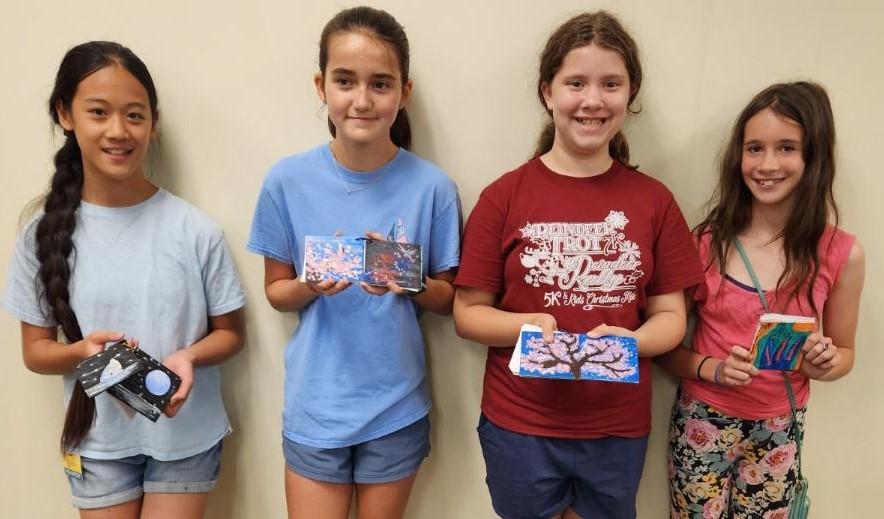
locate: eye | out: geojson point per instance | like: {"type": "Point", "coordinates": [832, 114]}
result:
{"type": "Point", "coordinates": [97, 112]}
{"type": "Point", "coordinates": [753, 148]}
{"type": "Point", "coordinates": [789, 148]}
{"type": "Point", "coordinates": [343, 82]}
{"type": "Point", "coordinates": [136, 116]}
{"type": "Point", "coordinates": [612, 84]}
{"type": "Point", "coordinates": [575, 83]}
{"type": "Point", "coordinates": [381, 85]}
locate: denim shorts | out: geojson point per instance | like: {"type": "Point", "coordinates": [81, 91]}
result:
{"type": "Point", "coordinates": [534, 477]}
{"type": "Point", "coordinates": [112, 482]}
{"type": "Point", "coordinates": [382, 460]}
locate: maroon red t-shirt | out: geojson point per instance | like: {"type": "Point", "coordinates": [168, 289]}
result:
{"type": "Point", "coordinates": [587, 251]}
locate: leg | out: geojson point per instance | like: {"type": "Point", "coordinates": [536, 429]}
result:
{"type": "Point", "coordinates": [311, 499]}
{"type": "Point", "coordinates": [383, 500]}
{"type": "Point", "coordinates": [570, 514]}
{"type": "Point", "coordinates": [608, 473]}
{"type": "Point", "coordinates": [109, 489]}
{"type": "Point", "coordinates": [128, 510]}
{"type": "Point", "coordinates": [704, 446]}
{"type": "Point", "coordinates": [179, 506]}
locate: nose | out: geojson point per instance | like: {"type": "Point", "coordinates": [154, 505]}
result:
{"type": "Point", "coordinates": [769, 161]}
{"type": "Point", "coordinates": [363, 100]}
{"type": "Point", "coordinates": [116, 127]}
{"type": "Point", "coordinates": [592, 97]}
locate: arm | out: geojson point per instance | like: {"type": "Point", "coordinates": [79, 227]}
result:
{"type": "Point", "coordinates": [224, 340]}
{"type": "Point", "coordinates": [831, 356]}
{"type": "Point", "coordinates": [663, 329]}
{"type": "Point", "coordinates": [42, 353]}
{"type": "Point", "coordinates": [476, 319]}
{"type": "Point", "coordinates": [286, 293]}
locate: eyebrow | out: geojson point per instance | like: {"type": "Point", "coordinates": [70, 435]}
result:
{"type": "Point", "coordinates": [104, 101]}
{"type": "Point", "coordinates": [348, 72]}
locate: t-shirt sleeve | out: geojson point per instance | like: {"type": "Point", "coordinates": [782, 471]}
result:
{"type": "Point", "coordinates": [271, 234]}
{"type": "Point", "coordinates": [23, 291]}
{"type": "Point", "coordinates": [223, 289]}
{"type": "Point", "coordinates": [445, 234]}
{"type": "Point", "coordinates": [482, 262]}
{"type": "Point", "coordinates": [676, 261]}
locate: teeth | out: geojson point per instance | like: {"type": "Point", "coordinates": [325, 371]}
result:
{"type": "Point", "coordinates": [768, 182]}
{"type": "Point", "coordinates": [590, 122]}
{"type": "Point", "coordinates": [117, 152]}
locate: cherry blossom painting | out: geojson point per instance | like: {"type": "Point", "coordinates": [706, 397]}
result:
{"type": "Point", "coordinates": [576, 357]}
{"type": "Point", "coordinates": [333, 257]}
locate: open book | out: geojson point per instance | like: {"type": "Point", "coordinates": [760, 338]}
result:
{"type": "Point", "coordinates": [360, 259]}
{"type": "Point", "coordinates": [778, 341]}
{"type": "Point", "coordinates": [575, 356]}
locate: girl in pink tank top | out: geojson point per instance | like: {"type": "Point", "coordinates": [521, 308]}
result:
{"type": "Point", "coordinates": [732, 447]}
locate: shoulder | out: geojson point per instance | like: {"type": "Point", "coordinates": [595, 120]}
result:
{"type": "Point", "coordinates": [645, 185]}
{"type": "Point", "coordinates": [510, 181]}
{"type": "Point", "coordinates": [178, 213]}
{"type": "Point", "coordinates": [293, 166]}
{"type": "Point", "coordinates": [425, 173]}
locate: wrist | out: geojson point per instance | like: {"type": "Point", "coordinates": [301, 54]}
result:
{"type": "Point", "coordinates": [700, 376]}
{"type": "Point", "coordinates": [716, 376]}
{"type": "Point", "coordinates": [413, 294]}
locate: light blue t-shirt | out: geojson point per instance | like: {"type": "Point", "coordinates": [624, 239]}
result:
{"type": "Point", "coordinates": [355, 366]}
{"type": "Point", "coordinates": [154, 271]}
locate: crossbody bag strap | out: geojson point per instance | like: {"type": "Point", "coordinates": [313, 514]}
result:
{"type": "Point", "coordinates": [789, 390]}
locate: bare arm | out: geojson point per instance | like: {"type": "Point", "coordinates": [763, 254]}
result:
{"type": "Point", "coordinates": [830, 355]}
{"type": "Point", "coordinates": [477, 319]}
{"type": "Point", "coordinates": [42, 353]}
{"type": "Point", "coordinates": [286, 293]}
{"type": "Point", "coordinates": [439, 295]}
{"type": "Point", "coordinates": [663, 329]}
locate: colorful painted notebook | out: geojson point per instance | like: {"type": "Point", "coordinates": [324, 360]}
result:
{"type": "Point", "coordinates": [359, 259]}
{"type": "Point", "coordinates": [575, 357]}
{"type": "Point", "coordinates": [778, 341]}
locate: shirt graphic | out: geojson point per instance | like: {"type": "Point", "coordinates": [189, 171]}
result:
{"type": "Point", "coordinates": [586, 264]}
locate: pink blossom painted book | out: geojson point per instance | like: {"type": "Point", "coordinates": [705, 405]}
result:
{"type": "Point", "coordinates": [575, 356]}
{"type": "Point", "coordinates": [355, 258]}
{"type": "Point", "coordinates": [778, 341]}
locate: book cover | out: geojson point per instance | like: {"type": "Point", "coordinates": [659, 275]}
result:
{"type": "Point", "coordinates": [358, 259]}
{"type": "Point", "coordinates": [109, 367]}
{"type": "Point", "coordinates": [778, 341]}
{"type": "Point", "coordinates": [575, 356]}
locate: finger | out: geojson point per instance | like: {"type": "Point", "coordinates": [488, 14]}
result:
{"type": "Point", "coordinates": [133, 342]}
{"type": "Point", "coordinates": [374, 235]}
{"type": "Point", "coordinates": [338, 233]}
{"type": "Point", "coordinates": [811, 341]}
{"type": "Point", "coordinates": [548, 327]}
{"type": "Point", "coordinates": [373, 290]}
{"type": "Point", "coordinates": [741, 353]}
{"type": "Point", "coordinates": [102, 336]}
{"type": "Point", "coordinates": [736, 373]}
{"type": "Point", "coordinates": [392, 286]}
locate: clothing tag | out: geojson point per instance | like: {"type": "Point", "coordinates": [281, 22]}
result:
{"type": "Point", "coordinates": [72, 465]}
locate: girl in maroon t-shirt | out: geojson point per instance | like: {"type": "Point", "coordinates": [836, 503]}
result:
{"type": "Point", "coordinates": [733, 448]}
{"type": "Point", "coordinates": [575, 240]}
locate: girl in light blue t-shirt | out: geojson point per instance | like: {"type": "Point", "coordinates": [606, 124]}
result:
{"type": "Point", "coordinates": [112, 254]}
{"type": "Point", "coordinates": [356, 395]}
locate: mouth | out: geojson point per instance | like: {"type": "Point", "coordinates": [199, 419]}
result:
{"type": "Point", "coordinates": [768, 182]}
{"type": "Point", "coordinates": [591, 122]}
{"type": "Point", "coordinates": [117, 152]}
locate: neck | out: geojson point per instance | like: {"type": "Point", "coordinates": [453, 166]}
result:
{"type": "Point", "coordinates": [768, 222]}
{"type": "Point", "coordinates": [116, 193]}
{"type": "Point", "coordinates": [363, 157]}
{"type": "Point", "coordinates": [569, 164]}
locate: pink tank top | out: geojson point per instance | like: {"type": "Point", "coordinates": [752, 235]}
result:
{"type": "Point", "coordinates": [727, 313]}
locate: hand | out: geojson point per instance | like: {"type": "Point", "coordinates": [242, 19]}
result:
{"type": "Point", "coordinates": [95, 341]}
{"type": "Point", "coordinates": [379, 291]}
{"type": "Point", "coordinates": [328, 287]}
{"type": "Point", "coordinates": [736, 369]}
{"type": "Point", "coordinates": [547, 323]}
{"type": "Point", "coordinates": [181, 363]}
{"type": "Point", "coordinates": [604, 329]}
{"type": "Point", "coordinates": [820, 355]}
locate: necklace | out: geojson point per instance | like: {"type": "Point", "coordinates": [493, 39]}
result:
{"type": "Point", "coordinates": [378, 175]}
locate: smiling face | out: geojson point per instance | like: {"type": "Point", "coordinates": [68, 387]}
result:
{"type": "Point", "coordinates": [588, 98]}
{"type": "Point", "coordinates": [773, 161]}
{"type": "Point", "coordinates": [363, 88]}
{"type": "Point", "coordinates": [111, 118]}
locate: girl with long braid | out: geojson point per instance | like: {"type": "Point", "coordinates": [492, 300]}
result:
{"type": "Point", "coordinates": [113, 254]}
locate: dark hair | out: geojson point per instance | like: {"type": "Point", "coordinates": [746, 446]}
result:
{"type": "Point", "coordinates": [383, 26]}
{"type": "Point", "coordinates": [55, 228]}
{"type": "Point", "coordinates": [604, 30]}
{"type": "Point", "coordinates": [807, 104]}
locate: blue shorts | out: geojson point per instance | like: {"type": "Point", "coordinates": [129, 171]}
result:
{"type": "Point", "coordinates": [533, 477]}
{"type": "Point", "coordinates": [388, 458]}
{"type": "Point", "coordinates": [112, 482]}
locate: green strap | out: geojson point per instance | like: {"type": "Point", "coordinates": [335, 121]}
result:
{"type": "Point", "coordinates": [789, 390]}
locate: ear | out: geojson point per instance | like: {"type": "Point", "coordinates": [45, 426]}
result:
{"type": "Point", "coordinates": [546, 90]}
{"type": "Point", "coordinates": [319, 83]}
{"type": "Point", "coordinates": [406, 94]}
{"type": "Point", "coordinates": [64, 117]}
{"type": "Point", "coordinates": [155, 127]}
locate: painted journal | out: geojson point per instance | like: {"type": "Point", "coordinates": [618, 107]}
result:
{"type": "Point", "coordinates": [360, 259]}
{"type": "Point", "coordinates": [778, 341]}
{"type": "Point", "coordinates": [575, 356]}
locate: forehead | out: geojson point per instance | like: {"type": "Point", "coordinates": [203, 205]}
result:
{"type": "Point", "coordinates": [593, 59]}
{"type": "Point", "coordinates": [361, 52]}
{"type": "Point", "coordinates": [770, 125]}
{"type": "Point", "coordinates": [113, 84]}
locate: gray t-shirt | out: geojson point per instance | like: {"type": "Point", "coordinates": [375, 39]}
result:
{"type": "Point", "coordinates": [154, 271]}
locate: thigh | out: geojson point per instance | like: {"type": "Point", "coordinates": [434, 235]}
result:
{"type": "Point", "coordinates": [608, 473]}
{"type": "Point", "coordinates": [323, 465]}
{"type": "Point", "coordinates": [765, 481]}
{"type": "Point", "coordinates": [195, 474]}
{"type": "Point", "coordinates": [179, 506]}
{"type": "Point", "coordinates": [704, 448]}
{"type": "Point", "coordinates": [105, 485]}
{"type": "Point", "coordinates": [393, 457]}
{"type": "Point", "coordinates": [308, 498]}
{"type": "Point", "coordinates": [383, 500]}
{"type": "Point", "coordinates": [528, 476]}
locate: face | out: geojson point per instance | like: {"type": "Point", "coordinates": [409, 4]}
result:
{"type": "Point", "coordinates": [773, 160]}
{"type": "Point", "coordinates": [588, 98]}
{"type": "Point", "coordinates": [111, 118]}
{"type": "Point", "coordinates": [362, 87]}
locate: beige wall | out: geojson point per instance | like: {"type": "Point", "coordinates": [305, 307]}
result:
{"type": "Point", "coordinates": [236, 94]}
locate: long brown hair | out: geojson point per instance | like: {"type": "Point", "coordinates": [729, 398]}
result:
{"type": "Point", "coordinates": [806, 104]}
{"type": "Point", "coordinates": [56, 226]}
{"type": "Point", "coordinates": [606, 31]}
{"type": "Point", "coordinates": [383, 26]}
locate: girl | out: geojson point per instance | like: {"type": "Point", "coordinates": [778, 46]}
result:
{"type": "Point", "coordinates": [111, 251]}
{"type": "Point", "coordinates": [572, 240]}
{"type": "Point", "coordinates": [356, 396]}
{"type": "Point", "coordinates": [732, 443]}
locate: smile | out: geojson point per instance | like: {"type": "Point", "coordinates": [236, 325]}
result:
{"type": "Point", "coordinates": [591, 121]}
{"type": "Point", "coordinates": [117, 152]}
{"type": "Point", "coordinates": [768, 182]}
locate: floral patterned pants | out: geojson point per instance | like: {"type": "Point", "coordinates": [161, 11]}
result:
{"type": "Point", "coordinates": [725, 467]}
